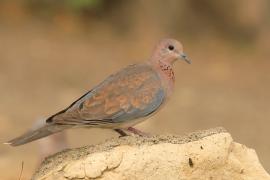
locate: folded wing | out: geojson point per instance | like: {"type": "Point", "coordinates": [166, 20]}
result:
{"type": "Point", "coordinates": [132, 93]}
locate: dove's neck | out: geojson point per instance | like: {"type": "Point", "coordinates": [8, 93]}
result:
{"type": "Point", "coordinates": [166, 74]}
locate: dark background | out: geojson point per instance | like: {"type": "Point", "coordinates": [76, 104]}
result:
{"type": "Point", "coordinates": [51, 52]}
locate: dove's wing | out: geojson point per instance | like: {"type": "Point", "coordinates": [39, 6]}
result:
{"type": "Point", "coordinates": [132, 93]}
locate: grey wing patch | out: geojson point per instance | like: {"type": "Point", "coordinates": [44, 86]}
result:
{"type": "Point", "coordinates": [135, 113]}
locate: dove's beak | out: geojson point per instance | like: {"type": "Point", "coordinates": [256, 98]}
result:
{"type": "Point", "coordinates": [185, 58]}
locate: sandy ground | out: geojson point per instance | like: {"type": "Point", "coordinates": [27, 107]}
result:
{"type": "Point", "coordinates": [70, 155]}
{"type": "Point", "coordinates": [42, 70]}
{"type": "Point", "coordinates": [192, 156]}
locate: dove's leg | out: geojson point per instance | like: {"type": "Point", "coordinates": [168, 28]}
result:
{"type": "Point", "coordinates": [121, 132]}
{"type": "Point", "coordinates": [131, 130]}
{"type": "Point", "coordinates": [137, 131]}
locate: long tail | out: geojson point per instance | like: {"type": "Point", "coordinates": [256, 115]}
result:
{"type": "Point", "coordinates": [32, 135]}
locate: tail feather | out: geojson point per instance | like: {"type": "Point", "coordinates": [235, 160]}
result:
{"type": "Point", "coordinates": [32, 135]}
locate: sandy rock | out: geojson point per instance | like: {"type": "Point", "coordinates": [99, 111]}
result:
{"type": "Point", "coordinates": [209, 154]}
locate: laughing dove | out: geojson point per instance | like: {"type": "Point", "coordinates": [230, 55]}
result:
{"type": "Point", "coordinates": [122, 100]}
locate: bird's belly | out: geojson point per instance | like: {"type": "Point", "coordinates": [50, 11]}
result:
{"type": "Point", "coordinates": [132, 122]}
{"type": "Point", "coordinates": [123, 125]}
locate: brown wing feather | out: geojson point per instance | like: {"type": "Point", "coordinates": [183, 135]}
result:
{"type": "Point", "coordinates": [133, 88]}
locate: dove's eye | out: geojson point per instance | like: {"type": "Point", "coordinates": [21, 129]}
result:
{"type": "Point", "coordinates": [171, 47]}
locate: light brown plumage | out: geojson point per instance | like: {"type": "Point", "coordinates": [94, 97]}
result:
{"type": "Point", "coordinates": [121, 100]}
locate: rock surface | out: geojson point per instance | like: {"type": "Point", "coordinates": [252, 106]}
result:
{"type": "Point", "coordinates": [210, 154]}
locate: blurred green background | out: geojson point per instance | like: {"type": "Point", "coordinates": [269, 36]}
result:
{"type": "Point", "coordinates": [51, 52]}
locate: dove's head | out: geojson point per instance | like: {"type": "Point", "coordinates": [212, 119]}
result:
{"type": "Point", "coordinates": [168, 51]}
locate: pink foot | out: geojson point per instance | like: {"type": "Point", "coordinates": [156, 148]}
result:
{"type": "Point", "coordinates": [138, 132]}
